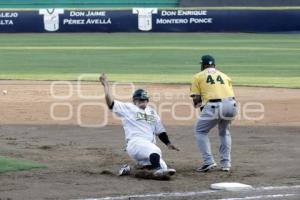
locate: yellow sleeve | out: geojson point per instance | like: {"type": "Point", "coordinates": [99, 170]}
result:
{"type": "Point", "coordinates": [195, 89]}
{"type": "Point", "coordinates": [229, 81]}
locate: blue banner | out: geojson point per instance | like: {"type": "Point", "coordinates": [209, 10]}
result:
{"type": "Point", "coordinates": [148, 20]}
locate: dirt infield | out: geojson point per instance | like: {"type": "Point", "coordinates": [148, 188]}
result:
{"type": "Point", "coordinates": [81, 160]}
{"type": "Point", "coordinates": [73, 103]}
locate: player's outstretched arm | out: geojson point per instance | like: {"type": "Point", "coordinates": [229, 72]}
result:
{"type": "Point", "coordinates": [109, 99]}
{"type": "Point", "coordinates": [165, 139]}
{"type": "Point", "coordinates": [172, 147]}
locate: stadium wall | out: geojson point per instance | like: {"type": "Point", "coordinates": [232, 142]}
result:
{"type": "Point", "coordinates": [148, 20]}
{"type": "Point", "coordinates": [238, 3]}
{"type": "Point", "coordinates": [86, 3]}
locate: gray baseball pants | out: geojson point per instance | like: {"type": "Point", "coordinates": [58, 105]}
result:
{"type": "Point", "coordinates": [221, 114]}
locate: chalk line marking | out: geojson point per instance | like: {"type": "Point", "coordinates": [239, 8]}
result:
{"type": "Point", "coordinates": [171, 194]}
{"type": "Point", "coordinates": [278, 187]}
{"type": "Point", "coordinates": [188, 194]}
{"type": "Point", "coordinates": [261, 196]}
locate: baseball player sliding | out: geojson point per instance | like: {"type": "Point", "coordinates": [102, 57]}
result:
{"type": "Point", "coordinates": [141, 124]}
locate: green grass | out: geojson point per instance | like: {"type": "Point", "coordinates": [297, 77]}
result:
{"type": "Point", "coordinates": [250, 59]}
{"type": "Point", "coordinates": [11, 164]}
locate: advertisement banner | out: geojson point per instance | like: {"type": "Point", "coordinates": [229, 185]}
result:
{"type": "Point", "coordinates": [148, 20]}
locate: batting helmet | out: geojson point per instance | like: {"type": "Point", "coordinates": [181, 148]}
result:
{"type": "Point", "coordinates": [140, 94]}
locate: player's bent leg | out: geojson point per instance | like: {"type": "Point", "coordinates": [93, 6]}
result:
{"type": "Point", "coordinates": [225, 145]}
{"type": "Point", "coordinates": [163, 164]}
{"type": "Point", "coordinates": [159, 166]}
{"type": "Point", "coordinates": [124, 170]}
{"type": "Point", "coordinates": [155, 160]}
{"type": "Point", "coordinates": [207, 120]}
{"type": "Point", "coordinates": [140, 151]}
{"type": "Point", "coordinates": [148, 155]}
{"type": "Point", "coordinates": [201, 132]}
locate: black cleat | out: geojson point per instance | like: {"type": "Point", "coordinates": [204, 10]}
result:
{"type": "Point", "coordinates": [206, 168]}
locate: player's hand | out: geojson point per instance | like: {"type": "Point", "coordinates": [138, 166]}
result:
{"type": "Point", "coordinates": [103, 79]}
{"type": "Point", "coordinates": [172, 147]}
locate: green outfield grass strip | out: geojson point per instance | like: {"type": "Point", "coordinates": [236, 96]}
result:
{"type": "Point", "coordinates": [251, 59]}
{"type": "Point", "coordinates": [148, 48]}
{"type": "Point", "coordinates": [11, 164]}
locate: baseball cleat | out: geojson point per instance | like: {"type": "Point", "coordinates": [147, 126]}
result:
{"type": "Point", "coordinates": [171, 171]}
{"type": "Point", "coordinates": [125, 170]}
{"type": "Point", "coordinates": [206, 168]}
{"type": "Point", "coordinates": [164, 172]}
{"type": "Point", "coordinates": [225, 169]}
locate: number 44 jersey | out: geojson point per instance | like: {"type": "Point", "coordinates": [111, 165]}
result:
{"type": "Point", "coordinates": [211, 84]}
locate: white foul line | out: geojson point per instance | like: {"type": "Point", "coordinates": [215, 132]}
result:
{"type": "Point", "coordinates": [187, 194]}
{"type": "Point", "coordinates": [261, 196]}
{"type": "Point", "coordinates": [171, 194]}
{"type": "Point", "coordinates": [278, 187]}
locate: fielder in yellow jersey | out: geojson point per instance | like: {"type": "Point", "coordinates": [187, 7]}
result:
{"type": "Point", "coordinates": [211, 84]}
{"type": "Point", "coordinates": [212, 91]}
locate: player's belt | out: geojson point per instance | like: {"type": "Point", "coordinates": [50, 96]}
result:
{"type": "Point", "coordinates": [219, 100]}
{"type": "Point", "coordinates": [215, 100]}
